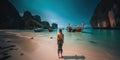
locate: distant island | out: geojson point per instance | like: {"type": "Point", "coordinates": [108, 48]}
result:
{"type": "Point", "coordinates": [10, 18]}
{"type": "Point", "coordinates": [106, 15]}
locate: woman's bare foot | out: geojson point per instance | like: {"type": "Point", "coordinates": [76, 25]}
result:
{"type": "Point", "coordinates": [58, 56]}
{"type": "Point", "coordinates": [61, 56]}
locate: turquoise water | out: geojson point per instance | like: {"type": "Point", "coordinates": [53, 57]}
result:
{"type": "Point", "coordinates": [107, 39]}
{"type": "Point", "coordinates": [104, 39]}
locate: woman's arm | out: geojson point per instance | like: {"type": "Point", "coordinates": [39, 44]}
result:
{"type": "Point", "coordinates": [57, 38]}
{"type": "Point", "coordinates": [63, 38]}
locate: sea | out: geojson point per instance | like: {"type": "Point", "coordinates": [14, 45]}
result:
{"type": "Point", "coordinates": [108, 39]}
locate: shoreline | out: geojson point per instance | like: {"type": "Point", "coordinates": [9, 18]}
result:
{"type": "Point", "coordinates": [43, 48]}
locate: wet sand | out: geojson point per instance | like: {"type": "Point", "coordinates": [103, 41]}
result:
{"type": "Point", "coordinates": [30, 46]}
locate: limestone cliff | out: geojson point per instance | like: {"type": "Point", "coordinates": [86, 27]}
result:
{"type": "Point", "coordinates": [106, 15]}
{"type": "Point", "coordinates": [9, 16]}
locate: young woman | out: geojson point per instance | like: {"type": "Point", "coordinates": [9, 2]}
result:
{"type": "Point", "coordinates": [60, 41]}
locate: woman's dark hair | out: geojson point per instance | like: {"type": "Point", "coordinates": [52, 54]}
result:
{"type": "Point", "coordinates": [60, 30]}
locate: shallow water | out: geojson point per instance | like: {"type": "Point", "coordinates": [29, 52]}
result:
{"type": "Point", "coordinates": [106, 39]}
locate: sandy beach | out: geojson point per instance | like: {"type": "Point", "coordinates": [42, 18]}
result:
{"type": "Point", "coordinates": [29, 46]}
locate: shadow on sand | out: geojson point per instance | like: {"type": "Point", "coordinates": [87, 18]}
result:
{"type": "Point", "coordinates": [74, 57]}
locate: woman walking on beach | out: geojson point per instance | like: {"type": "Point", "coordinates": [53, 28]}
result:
{"type": "Point", "coordinates": [60, 41]}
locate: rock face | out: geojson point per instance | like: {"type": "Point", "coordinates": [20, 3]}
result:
{"type": "Point", "coordinates": [9, 17]}
{"type": "Point", "coordinates": [107, 14]}
{"type": "Point", "coordinates": [54, 26]}
{"type": "Point", "coordinates": [31, 22]}
{"type": "Point", "coordinates": [37, 18]}
{"type": "Point", "coordinates": [27, 15]}
{"type": "Point", "coordinates": [45, 24]}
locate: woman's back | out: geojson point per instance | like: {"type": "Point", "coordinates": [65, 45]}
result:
{"type": "Point", "coordinates": [60, 36]}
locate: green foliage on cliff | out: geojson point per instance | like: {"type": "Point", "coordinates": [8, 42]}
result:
{"type": "Point", "coordinates": [31, 23]}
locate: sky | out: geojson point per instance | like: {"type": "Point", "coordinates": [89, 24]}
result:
{"type": "Point", "coordinates": [62, 12]}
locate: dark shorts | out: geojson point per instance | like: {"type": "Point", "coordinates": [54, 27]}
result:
{"type": "Point", "coordinates": [60, 44]}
